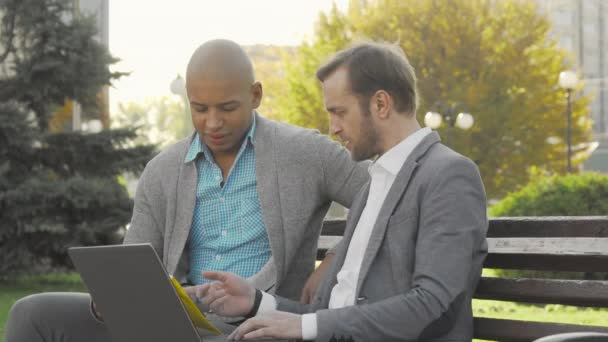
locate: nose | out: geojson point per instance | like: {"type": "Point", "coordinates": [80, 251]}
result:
{"type": "Point", "coordinates": [334, 127]}
{"type": "Point", "coordinates": [214, 121]}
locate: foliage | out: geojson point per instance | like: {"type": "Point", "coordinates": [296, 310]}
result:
{"type": "Point", "coordinates": [161, 121]}
{"type": "Point", "coordinates": [494, 59]}
{"type": "Point", "coordinates": [49, 57]}
{"type": "Point", "coordinates": [56, 189]}
{"type": "Point", "coordinates": [270, 71]}
{"type": "Point", "coordinates": [570, 195]}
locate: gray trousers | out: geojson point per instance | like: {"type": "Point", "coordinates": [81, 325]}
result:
{"type": "Point", "coordinates": [54, 317]}
{"type": "Point", "coordinates": [67, 317]}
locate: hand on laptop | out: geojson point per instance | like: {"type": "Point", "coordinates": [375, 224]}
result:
{"type": "Point", "coordinates": [230, 295]}
{"type": "Point", "coordinates": [275, 324]}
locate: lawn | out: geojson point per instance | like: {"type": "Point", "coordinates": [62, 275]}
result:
{"type": "Point", "coordinates": [9, 293]}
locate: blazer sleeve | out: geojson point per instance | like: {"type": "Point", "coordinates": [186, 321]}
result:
{"type": "Point", "coordinates": [144, 227]}
{"type": "Point", "coordinates": [452, 228]}
{"type": "Point", "coordinates": [288, 305]}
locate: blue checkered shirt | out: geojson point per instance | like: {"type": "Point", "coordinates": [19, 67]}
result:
{"type": "Point", "coordinates": [228, 232]}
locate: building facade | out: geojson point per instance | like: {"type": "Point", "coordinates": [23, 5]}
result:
{"type": "Point", "coordinates": [581, 26]}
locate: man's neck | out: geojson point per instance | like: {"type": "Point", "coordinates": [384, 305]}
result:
{"type": "Point", "coordinates": [398, 131]}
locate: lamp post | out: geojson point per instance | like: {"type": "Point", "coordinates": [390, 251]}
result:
{"type": "Point", "coordinates": [568, 80]}
{"type": "Point", "coordinates": [178, 86]}
{"type": "Point", "coordinates": [461, 120]}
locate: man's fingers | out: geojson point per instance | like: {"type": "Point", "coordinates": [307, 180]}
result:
{"type": "Point", "coordinates": [216, 275]}
{"type": "Point", "coordinates": [259, 333]}
{"type": "Point", "coordinates": [212, 296]}
{"type": "Point", "coordinates": [218, 305]}
{"type": "Point", "coordinates": [190, 290]}
{"type": "Point", "coordinates": [249, 325]}
{"type": "Point", "coordinates": [202, 290]}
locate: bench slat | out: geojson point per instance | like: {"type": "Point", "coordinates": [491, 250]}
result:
{"type": "Point", "coordinates": [333, 227]}
{"type": "Point", "coordinates": [512, 330]}
{"type": "Point", "coordinates": [557, 246]}
{"type": "Point", "coordinates": [547, 262]}
{"type": "Point", "coordinates": [549, 226]}
{"type": "Point", "coordinates": [591, 293]}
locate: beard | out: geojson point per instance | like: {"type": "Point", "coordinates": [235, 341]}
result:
{"type": "Point", "coordinates": [366, 146]}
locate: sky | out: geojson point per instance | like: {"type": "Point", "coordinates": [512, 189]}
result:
{"type": "Point", "coordinates": [154, 39]}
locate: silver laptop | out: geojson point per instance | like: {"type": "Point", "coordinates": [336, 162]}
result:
{"type": "Point", "coordinates": [132, 290]}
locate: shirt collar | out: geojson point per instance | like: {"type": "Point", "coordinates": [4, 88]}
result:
{"type": "Point", "coordinates": [393, 159]}
{"type": "Point", "coordinates": [197, 146]}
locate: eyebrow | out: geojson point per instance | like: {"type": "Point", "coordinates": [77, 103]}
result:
{"type": "Point", "coordinates": [334, 109]}
{"type": "Point", "coordinates": [218, 105]}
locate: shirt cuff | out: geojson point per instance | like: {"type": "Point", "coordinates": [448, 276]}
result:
{"type": "Point", "coordinates": [268, 303]}
{"type": "Point", "coordinates": [309, 326]}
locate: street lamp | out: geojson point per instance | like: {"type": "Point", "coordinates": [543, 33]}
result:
{"type": "Point", "coordinates": [461, 120]}
{"type": "Point", "coordinates": [568, 80]}
{"type": "Point", "coordinates": [178, 86]}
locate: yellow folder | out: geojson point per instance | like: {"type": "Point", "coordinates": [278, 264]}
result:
{"type": "Point", "coordinates": [195, 314]}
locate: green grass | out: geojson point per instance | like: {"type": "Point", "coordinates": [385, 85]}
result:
{"type": "Point", "coordinates": [538, 313]}
{"type": "Point", "coordinates": [11, 291]}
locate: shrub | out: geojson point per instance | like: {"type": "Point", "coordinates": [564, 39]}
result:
{"type": "Point", "coordinates": [571, 195]}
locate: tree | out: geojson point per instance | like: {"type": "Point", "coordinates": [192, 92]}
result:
{"type": "Point", "coordinates": [270, 71]}
{"type": "Point", "coordinates": [56, 189]}
{"type": "Point", "coordinates": [50, 55]}
{"type": "Point", "coordinates": [495, 58]}
{"type": "Point", "coordinates": [162, 121]}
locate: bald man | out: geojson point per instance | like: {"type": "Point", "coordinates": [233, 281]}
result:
{"type": "Point", "coordinates": [243, 194]}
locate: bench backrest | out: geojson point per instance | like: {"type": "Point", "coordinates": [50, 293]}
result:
{"type": "Point", "coordinates": [571, 244]}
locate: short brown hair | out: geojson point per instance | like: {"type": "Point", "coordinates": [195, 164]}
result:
{"type": "Point", "coordinates": [377, 66]}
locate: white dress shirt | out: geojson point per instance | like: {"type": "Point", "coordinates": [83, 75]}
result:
{"type": "Point", "coordinates": [383, 173]}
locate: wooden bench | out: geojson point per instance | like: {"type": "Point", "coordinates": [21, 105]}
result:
{"type": "Point", "coordinates": [570, 244]}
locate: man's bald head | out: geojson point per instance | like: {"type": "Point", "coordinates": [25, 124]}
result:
{"type": "Point", "coordinates": [220, 60]}
{"type": "Point", "coordinates": [223, 96]}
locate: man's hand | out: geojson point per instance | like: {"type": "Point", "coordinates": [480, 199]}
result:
{"type": "Point", "coordinates": [96, 312]}
{"type": "Point", "coordinates": [274, 324]}
{"type": "Point", "coordinates": [229, 296]}
{"type": "Point", "coordinates": [308, 292]}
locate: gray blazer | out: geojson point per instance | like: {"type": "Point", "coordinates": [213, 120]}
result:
{"type": "Point", "coordinates": [423, 260]}
{"type": "Point", "coordinates": [299, 173]}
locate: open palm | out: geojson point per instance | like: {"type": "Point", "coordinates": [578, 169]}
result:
{"type": "Point", "coordinates": [230, 295]}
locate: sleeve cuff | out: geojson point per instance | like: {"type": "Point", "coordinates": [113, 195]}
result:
{"type": "Point", "coordinates": [268, 303]}
{"type": "Point", "coordinates": [309, 326]}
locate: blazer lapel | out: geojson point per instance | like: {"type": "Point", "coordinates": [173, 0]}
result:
{"type": "Point", "coordinates": [185, 203]}
{"type": "Point", "coordinates": [353, 218]}
{"type": "Point", "coordinates": [268, 189]}
{"type": "Point", "coordinates": [395, 193]}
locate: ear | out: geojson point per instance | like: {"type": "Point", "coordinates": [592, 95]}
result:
{"type": "Point", "coordinates": [256, 92]}
{"type": "Point", "coordinates": [381, 103]}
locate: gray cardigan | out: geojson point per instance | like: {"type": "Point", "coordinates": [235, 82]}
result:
{"type": "Point", "coordinates": [299, 173]}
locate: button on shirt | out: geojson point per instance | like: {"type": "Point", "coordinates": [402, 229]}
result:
{"type": "Point", "coordinates": [383, 173]}
{"type": "Point", "coordinates": [228, 232]}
